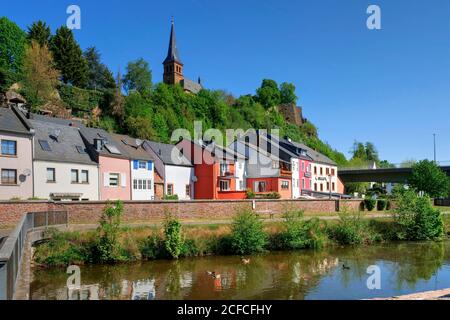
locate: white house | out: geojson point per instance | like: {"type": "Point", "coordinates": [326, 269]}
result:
{"type": "Point", "coordinates": [141, 167]}
{"type": "Point", "coordinates": [62, 168]}
{"type": "Point", "coordinates": [174, 173]}
{"type": "Point", "coordinates": [295, 178]}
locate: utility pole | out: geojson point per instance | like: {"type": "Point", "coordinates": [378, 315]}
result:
{"type": "Point", "coordinates": [434, 144]}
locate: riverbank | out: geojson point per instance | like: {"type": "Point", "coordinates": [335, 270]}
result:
{"type": "Point", "coordinates": [428, 295]}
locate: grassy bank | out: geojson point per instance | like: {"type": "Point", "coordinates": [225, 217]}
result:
{"type": "Point", "coordinates": [113, 243]}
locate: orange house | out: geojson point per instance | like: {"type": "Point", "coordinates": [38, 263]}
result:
{"type": "Point", "coordinates": [219, 171]}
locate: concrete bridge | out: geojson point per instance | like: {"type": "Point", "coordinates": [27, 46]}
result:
{"type": "Point", "coordinates": [398, 175]}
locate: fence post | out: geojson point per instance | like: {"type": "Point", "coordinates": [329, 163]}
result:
{"type": "Point", "coordinates": [46, 220]}
{"type": "Point", "coordinates": [3, 281]}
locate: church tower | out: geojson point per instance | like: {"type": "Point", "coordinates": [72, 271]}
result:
{"type": "Point", "coordinates": [173, 67]}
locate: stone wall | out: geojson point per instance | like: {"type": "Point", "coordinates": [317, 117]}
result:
{"type": "Point", "coordinates": [149, 211]}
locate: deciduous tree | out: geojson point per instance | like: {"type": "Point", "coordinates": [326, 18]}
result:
{"type": "Point", "coordinates": [12, 50]}
{"type": "Point", "coordinates": [138, 77]}
{"type": "Point", "coordinates": [40, 77]}
{"type": "Point", "coordinates": [429, 178]}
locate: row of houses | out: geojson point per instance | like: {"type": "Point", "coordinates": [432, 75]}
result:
{"type": "Point", "coordinates": [63, 160]}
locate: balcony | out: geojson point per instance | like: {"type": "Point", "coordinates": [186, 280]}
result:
{"type": "Point", "coordinates": [285, 169]}
{"type": "Point", "coordinates": [308, 175]}
{"type": "Point", "coordinates": [226, 174]}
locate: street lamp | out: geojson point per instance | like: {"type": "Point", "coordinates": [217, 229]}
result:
{"type": "Point", "coordinates": [434, 144]}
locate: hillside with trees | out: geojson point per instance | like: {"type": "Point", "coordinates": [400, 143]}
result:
{"type": "Point", "coordinates": [52, 72]}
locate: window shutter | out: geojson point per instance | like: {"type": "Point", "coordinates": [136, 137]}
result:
{"type": "Point", "coordinates": [149, 165]}
{"type": "Point", "coordinates": [135, 164]}
{"type": "Point", "coordinates": [123, 179]}
{"type": "Point", "coordinates": [106, 179]}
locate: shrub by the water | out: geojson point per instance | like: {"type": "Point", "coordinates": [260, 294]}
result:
{"type": "Point", "coordinates": [247, 234]}
{"type": "Point", "coordinates": [417, 218]}
{"type": "Point", "coordinates": [173, 238]}
{"type": "Point", "coordinates": [298, 233]}
{"type": "Point", "coordinates": [108, 247]}
{"type": "Point", "coordinates": [352, 229]}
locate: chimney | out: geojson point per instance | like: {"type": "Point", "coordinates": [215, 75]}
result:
{"type": "Point", "coordinates": [199, 81]}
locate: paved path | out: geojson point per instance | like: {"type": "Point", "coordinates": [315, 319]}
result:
{"type": "Point", "coordinates": [428, 295]}
{"type": "Point", "coordinates": [80, 227]}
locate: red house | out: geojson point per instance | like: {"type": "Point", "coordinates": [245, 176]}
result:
{"type": "Point", "coordinates": [219, 171]}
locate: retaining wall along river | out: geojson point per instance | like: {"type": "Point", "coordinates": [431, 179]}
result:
{"type": "Point", "coordinates": [137, 211]}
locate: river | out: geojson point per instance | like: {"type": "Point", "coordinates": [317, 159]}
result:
{"type": "Point", "coordinates": [404, 268]}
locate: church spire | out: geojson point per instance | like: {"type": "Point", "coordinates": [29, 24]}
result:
{"type": "Point", "coordinates": [172, 53]}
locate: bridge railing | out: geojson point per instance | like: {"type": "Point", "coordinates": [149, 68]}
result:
{"type": "Point", "coordinates": [11, 249]}
{"type": "Point", "coordinates": [392, 166]}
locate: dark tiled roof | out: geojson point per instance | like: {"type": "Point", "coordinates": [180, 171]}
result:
{"type": "Point", "coordinates": [67, 122]}
{"type": "Point", "coordinates": [315, 156]}
{"type": "Point", "coordinates": [220, 152]}
{"type": "Point", "coordinates": [172, 52]}
{"type": "Point", "coordinates": [191, 86]}
{"type": "Point", "coordinates": [90, 134]}
{"type": "Point", "coordinates": [13, 121]}
{"type": "Point", "coordinates": [164, 152]}
{"type": "Point", "coordinates": [132, 146]}
{"type": "Point", "coordinates": [67, 146]}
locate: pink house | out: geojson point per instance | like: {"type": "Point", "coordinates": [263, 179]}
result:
{"type": "Point", "coordinates": [16, 163]}
{"type": "Point", "coordinates": [114, 164]}
{"type": "Point", "coordinates": [305, 174]}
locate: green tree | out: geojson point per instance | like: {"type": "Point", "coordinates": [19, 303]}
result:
{"type": "Point", "coordinates": [287, 93]}
{"type": "Point", "coordinates": [12, 50]}
{"type": "Point", "coordinates": [40, 32]}
{"type": "Point", "coordinates": [247, 233]}
{"type": "Point", "coordinates": [417, 218]}
{"type": "Point", "coordinates": [69, 58]}
{"type": "Point", "coordinates": [268, 94]}
{"type": "Point", "coordinates": [99, 76]}
{"type": "Point", "coordinates": [427, 177]}
{"type": "Point", "coordinates": [40, 78]}
{"type": "Point", "coordinates": [138, 77]}
{"type": "Point", "coordinates": [118, 101]}
{"type": "Point", "coordinates": [371, 152]}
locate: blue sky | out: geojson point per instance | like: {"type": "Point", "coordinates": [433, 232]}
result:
{"type": "Point", "coordinates": [390, 86]}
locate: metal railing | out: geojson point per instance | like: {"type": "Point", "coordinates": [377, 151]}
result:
{"type": "Point", "coordinates": [403, 165]}
{"type": "Point", "coordinates": [11, 249]}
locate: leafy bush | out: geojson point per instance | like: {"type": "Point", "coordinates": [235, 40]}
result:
{"type": "Point", "coordinates": [79, 99]}
{"type": "Point", "coordinates": [152, 248]}
{"type": "Point", "coordinates": [352, 229]}
{"type": "Point", "coordinates": [298, 233]}
{"type": "Point", "coordinates": [247, 234]}
{"type": "Point", "coordinates": [273, 195]}
{"type": "Point", "coordinates": [62, 249]}
{"type": "Point", "coordinates": [250, 194]}
{"type": "Point", "coordinates": [173, 238]}
{"type": "Point", "coordinates": [173, 197]}
{"type": "Point", "coordinates": [417, 218]}
{"type": "Point", "coordinates": [108, 247]}
{"type": "Point", "coordinates": [381, 204]}
{"type": "Point", "coordinates": [370, 203]}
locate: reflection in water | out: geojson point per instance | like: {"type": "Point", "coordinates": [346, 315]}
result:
{"type": "Point", "coordinates": [308, 274]}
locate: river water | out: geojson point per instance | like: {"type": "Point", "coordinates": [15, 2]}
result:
{"type": "Point", "coordinates": [403, 267]}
